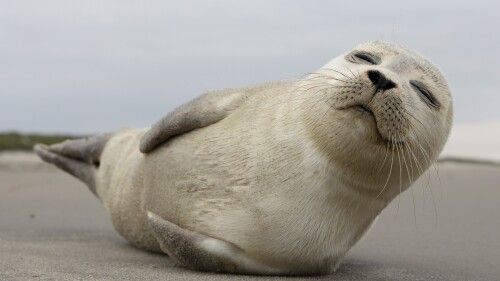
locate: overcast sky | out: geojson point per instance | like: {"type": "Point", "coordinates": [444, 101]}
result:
{"type": "Point", "coordinates": [96, 66]}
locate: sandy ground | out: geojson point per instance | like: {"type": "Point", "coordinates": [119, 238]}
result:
{"type": "Point", "coordinates": [52, 228]}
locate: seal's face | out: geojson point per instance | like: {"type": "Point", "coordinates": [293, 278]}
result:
{"type": "Point", "coordinates": [389, 103]}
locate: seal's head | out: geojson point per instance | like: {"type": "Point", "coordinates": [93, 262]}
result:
{"type": "Point", "coordinates": [392, 109]}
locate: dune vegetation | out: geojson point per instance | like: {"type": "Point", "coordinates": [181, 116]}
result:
{"type": "Point", "coordinates": [18, 141]}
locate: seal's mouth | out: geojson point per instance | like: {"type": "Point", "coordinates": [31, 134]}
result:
{"type": "Point", "coordinates": [366, 111]}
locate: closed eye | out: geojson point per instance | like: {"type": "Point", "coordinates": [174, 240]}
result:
{"type": "Point", "coordinates": [363, 57]}
{"type": "Point", "coordinates": [424, 93]}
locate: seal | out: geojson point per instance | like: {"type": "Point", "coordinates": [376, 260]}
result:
{"type": "Point", "coordinates": [278, 178]}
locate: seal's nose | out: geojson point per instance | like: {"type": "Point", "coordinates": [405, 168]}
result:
{"type": "Point", "coordinates": [380, 81]}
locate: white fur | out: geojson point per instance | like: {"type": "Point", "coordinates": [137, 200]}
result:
{"type": "Point", "coordinates": [248, 265]}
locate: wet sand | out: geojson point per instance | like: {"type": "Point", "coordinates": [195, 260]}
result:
{"type": "Point", "coordinates": [53, 228]}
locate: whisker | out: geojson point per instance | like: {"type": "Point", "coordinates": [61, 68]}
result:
{"type": "Point", "coordinates": [353, 75]}
{"type": "Point", "coordinates": [409, 176]}
{"type": "Point", "coordinates": [400, 179]}
{"type": "Point", "coordinates": [431, 162]}
{"type": "Point", "coordinates": [389, 176]}
{"type": "Point", "coordinates": [336, 71]}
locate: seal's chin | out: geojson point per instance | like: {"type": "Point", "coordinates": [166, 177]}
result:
{"type": "Point", "coordinates": [364, 110]}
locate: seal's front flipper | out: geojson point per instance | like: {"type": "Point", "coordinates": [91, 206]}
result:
{"type": "Point", "coordinates": [204, 110]}
{"type": "Point", "coordinates": [200, 252]}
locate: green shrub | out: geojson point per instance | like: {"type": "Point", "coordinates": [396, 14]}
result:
{"type": "Point", "coordinates": [16, 141]}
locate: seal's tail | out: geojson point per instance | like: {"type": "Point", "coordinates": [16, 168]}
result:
{"type": "Point", "coordinates": [80, 157]}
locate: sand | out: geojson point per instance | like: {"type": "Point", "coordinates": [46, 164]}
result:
{"type": "Point", "coordinates": [52, 228]}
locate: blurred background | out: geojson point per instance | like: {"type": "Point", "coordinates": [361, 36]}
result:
{"type": "Point", "coordinates": [86, 67]}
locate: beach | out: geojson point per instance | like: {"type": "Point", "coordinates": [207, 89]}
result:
{"type": "Point", "coordinates": [445, 227]}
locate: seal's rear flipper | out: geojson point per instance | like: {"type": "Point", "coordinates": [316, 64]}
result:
{"type": "Point", "coordinates": [78, 157]}
{"type": "Point", "coordinates": [87, 149]}
{"type": "Point", "coordinates": [80, 170]}
{"type": "Point", "coordinates": [200, 252]}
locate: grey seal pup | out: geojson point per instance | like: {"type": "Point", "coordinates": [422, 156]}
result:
{"type": "Point", "coordinates": [281, 178]}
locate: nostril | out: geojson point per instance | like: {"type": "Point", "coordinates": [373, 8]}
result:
{"type": "Point", "coordinates": [380, 81]}
{"type": "Point", "coordinates": [374, 76]}
{"type": "Point", "coordinates": [388, 85]}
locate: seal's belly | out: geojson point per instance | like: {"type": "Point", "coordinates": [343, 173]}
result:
{"type": "Point", "coordinates": [237, 186]}
{"type": "Point", "coordinates": [205, 180]}
{"type": "Point", "coordinates": [193, 182]}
